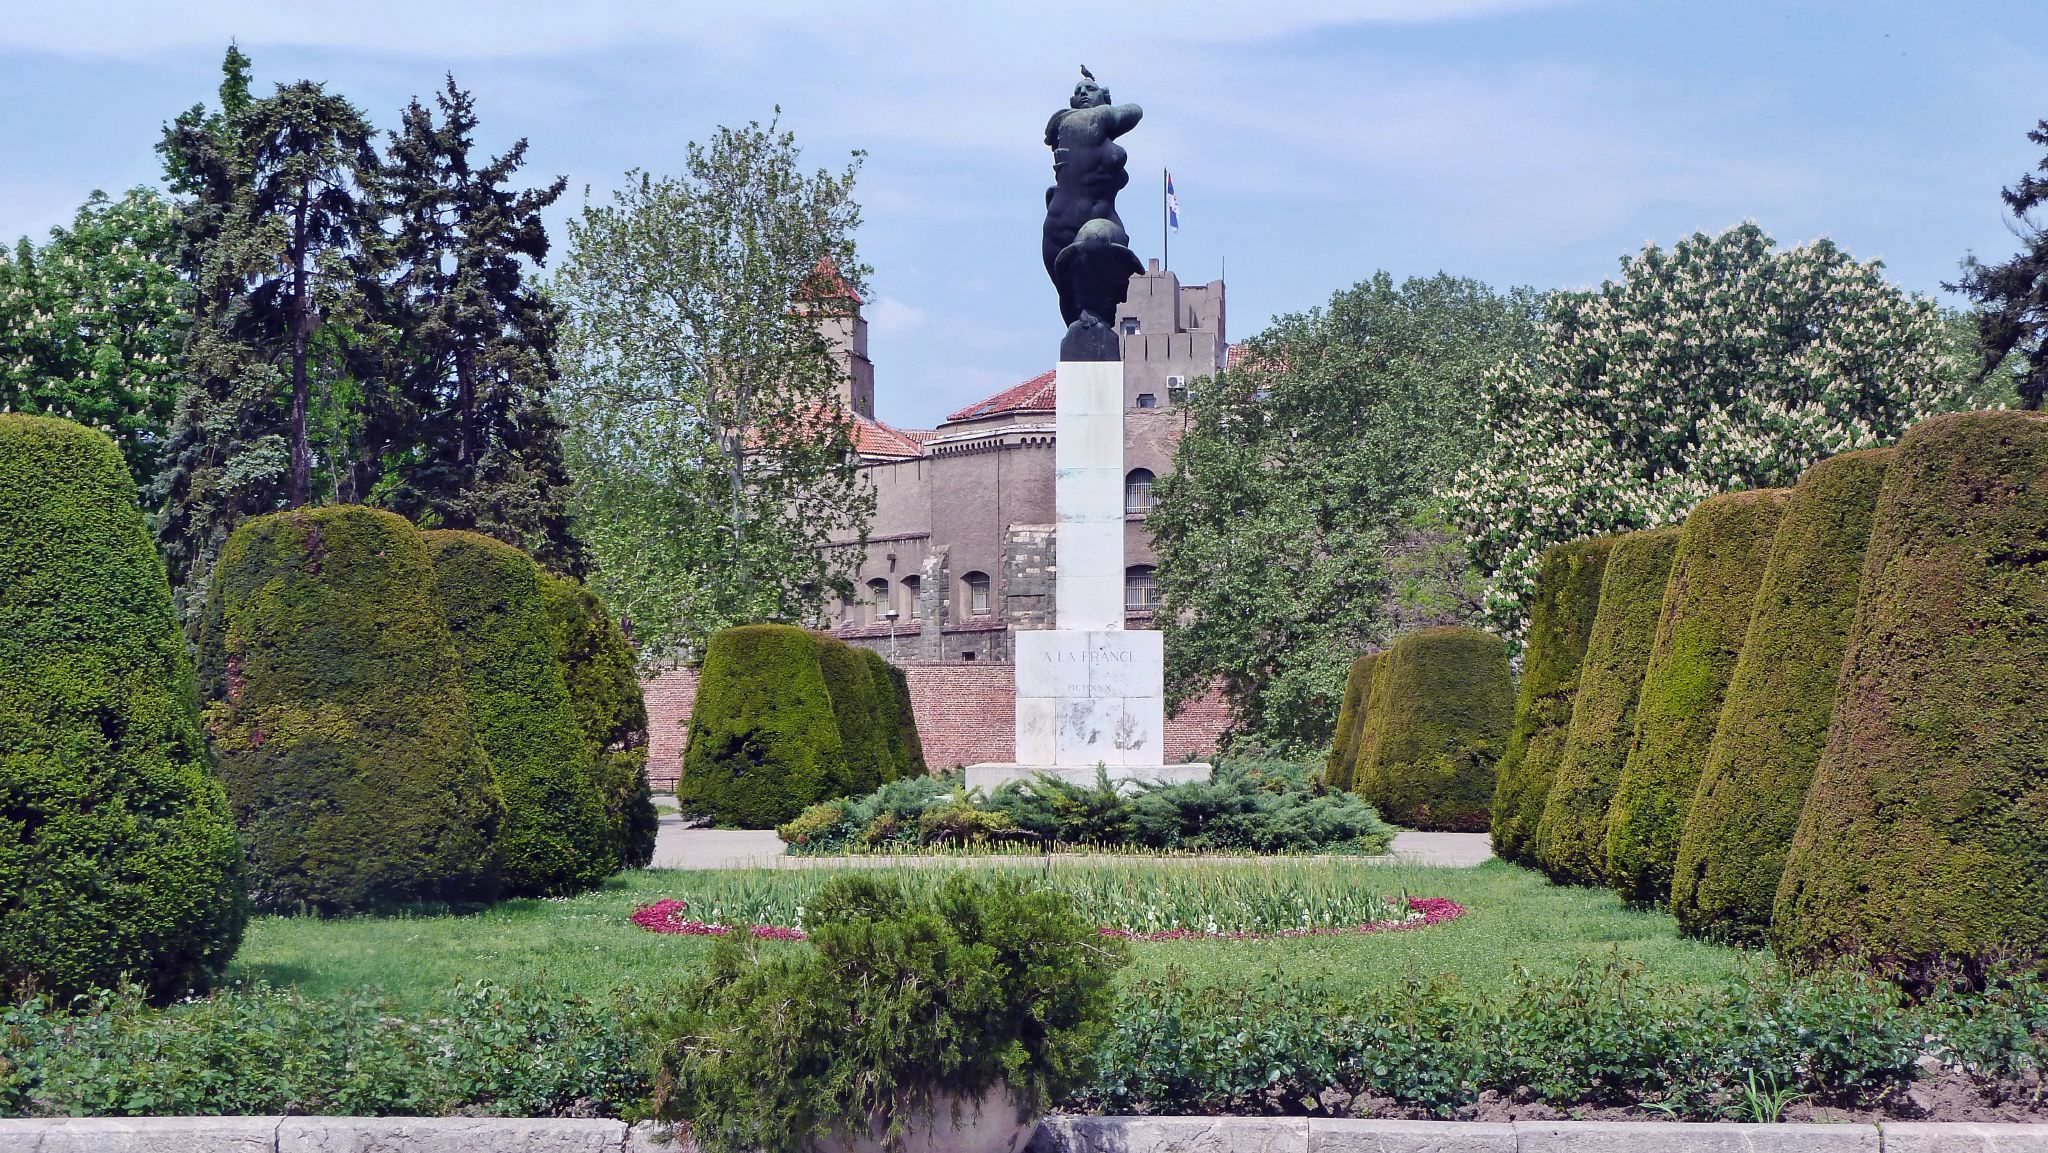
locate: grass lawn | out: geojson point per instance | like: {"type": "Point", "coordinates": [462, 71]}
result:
{"type": "Point", "coordinates": [1515, 921]}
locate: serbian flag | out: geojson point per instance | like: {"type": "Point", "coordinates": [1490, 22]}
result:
{"type": "Point", "coordinates": [1172, 204]}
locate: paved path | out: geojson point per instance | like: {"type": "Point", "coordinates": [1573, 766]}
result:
{"type": "Point", "coordinates": [683, 848]}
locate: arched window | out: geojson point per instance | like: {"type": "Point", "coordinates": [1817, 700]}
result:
{"type": "Point", "coordinates": [1138, 491]}
{"type": "Point", "coordinates": [1141, 588]}
{"type": "Point", "coordinates": [976, 584]}
{"type": "Point", "coordinates": [878, 598]}
{"type": "Point", "coordinates": [913, 590]}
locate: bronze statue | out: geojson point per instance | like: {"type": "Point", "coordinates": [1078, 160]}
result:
{"type": "Point", "coordinates": [1087, 252]}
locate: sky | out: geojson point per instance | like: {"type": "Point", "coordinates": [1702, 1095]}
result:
{"type": "Point", "coordinates": [1313, 142]}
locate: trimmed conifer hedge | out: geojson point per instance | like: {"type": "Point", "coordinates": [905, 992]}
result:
{"type": "Point", "coordinates": [1560, 619]}
{"type": "Point", "coordinates": [888, 714]}
{"type": "Point", "coordinates": [1444, 699]}
{"type": "Point", "coordinates": [906, 724]}
{"type": "Point", "coordinates": [764, 741]}
{"type": "Point", "coordinates": [117, 852]}
{"type": "Point", "coordinates": [554, 840]}
{"type": "Point", "coordinates": [1723, 548]}
{"type": "Point", "coordinates": [1342, 764]}
{"type": "Point", "coordinates": [339, 718]}
{"type": "Point", "coordinates": [1571, 836]}
{"type": "Point", "coordinates": [1780, 700]}
{"type": "Point", "coordinates": [604, 691]}
{"type": "Point", "coordinates": [1924, 841]}
{"type": "Point", "coordinates": [857, 707]}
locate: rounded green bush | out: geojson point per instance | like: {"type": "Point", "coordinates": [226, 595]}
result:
{"type": "Point", "coordinates": [1780, 700]}
{"type": "Point", "coordinates": [764, 743]}
{"type": "Point", "coordinates": [888, 716]}
{"type": "Point", "coordinates": [604, 692]}
{"type": "Point", "coordinates": [906, 725]}
{"type": "Point", "coordinates": [856, 705]}
{"type": "Point", "coordinates": [117, 852]}
{"type": "Point", "coordinates": [1444, 699]}
{"type": "Point", "coordinates": [1342, 764]}
{"type": "Point", "coordinates": [1571, 836]}
{"type": "Point", "coordinates": [555, 839]}
{"type": "Point", "coordinates": [1560, 619]}
{"type": "Point", "coordinates": [1722, 550]}
{"type": "Point", "coordinates": [339, 717]}
{"type": "Point", "coordinates": [1924, 841]}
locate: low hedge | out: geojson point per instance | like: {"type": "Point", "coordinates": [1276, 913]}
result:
{"type": "Point", "coordinates": [1781, 698]}
{"type": "Point", "coordinates": [1571, 836]}
{"type": "Point", "coordinates": [1442, 705]}
{"type": "Point", "coordinates": [1722, 550]}
{"type": "Point", "coordinates": [857, 708]}
{"type": "Point", "coordinates": [1342, 764]}
{"type": "Point", "coordinates": [339, 718]}
{"type": "Point", "coordinates": [555, 839]}
{"type": "Point", "coordinates": [764, 742]}
{"type": "Point", "coordinates": [1560, 619]}
{"type": "Point", "coordinates": [604, 690]}
{"type": "Point", "coordinates": [117, 851]}
{"type": "Point", "coordinates": [1924, 841]}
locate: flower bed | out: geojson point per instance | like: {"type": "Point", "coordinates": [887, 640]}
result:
{"type": "Point", "coordinates": [672, 917]}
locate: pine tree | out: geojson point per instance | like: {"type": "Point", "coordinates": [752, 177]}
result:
{"type": "Point", "coordinates": [2012, 323]}
{"type": "Point", "coordinates": [463, 427]}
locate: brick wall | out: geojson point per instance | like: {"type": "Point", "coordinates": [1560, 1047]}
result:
{"type": "Point", "coordinates": [966, 713]}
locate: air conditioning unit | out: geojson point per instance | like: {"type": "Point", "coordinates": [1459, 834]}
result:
{"type": "Point", "coordinates": [1177, 389]}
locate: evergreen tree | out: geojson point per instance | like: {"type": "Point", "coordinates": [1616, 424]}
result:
{"type": "Point", "coordinates": [466, 436]}
{"type": "Point", "coordinates": [2012, 322]}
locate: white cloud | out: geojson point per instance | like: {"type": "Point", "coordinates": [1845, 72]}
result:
{"type": "Point", "coordinates": [889, 316]}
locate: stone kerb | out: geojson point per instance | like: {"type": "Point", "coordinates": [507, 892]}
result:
{"type": "Point", "coordinates": [331, 1135]}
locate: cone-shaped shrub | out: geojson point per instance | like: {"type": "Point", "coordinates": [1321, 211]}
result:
{"type": "Point", "coordinates": [764, 743]}
{"type": "Point", "coordinates": [117, 854]}
{"type": "Point", "coordinates": [906, 725]}
{"type": "Point", "coordinates": [1924, 841]}
{"type": "Point", "coordinates": [854, 703]}
{"type": "Point", "coordinates": [1445, 700]}
{"type": "Point", "coordinates": [1342, 763]}
{"type": "Point", "coordinates": [1781, 697]}
{"type": "Point", "coordinates": [1560, 619]}
{"type": "Point", "coordinates": [604, 691]}
{"type": "Point", "coordinates": [555, 839]}
{"type": "Point", "coordinates": [339, 717]}
{"type": "Point", "coordinates": [1571, 837]}
{"type": "Point", "coordinates": [1722, 551]}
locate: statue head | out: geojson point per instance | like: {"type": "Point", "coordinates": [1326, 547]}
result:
{"type": "Point", "coordinates": [1088, 94]}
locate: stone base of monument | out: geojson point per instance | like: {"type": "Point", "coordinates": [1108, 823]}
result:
{"type": "Point", "coordinates": [993, 774]}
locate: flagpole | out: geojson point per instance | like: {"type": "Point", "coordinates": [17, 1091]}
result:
{"type": "Point", "coordinates": [1165, 245]}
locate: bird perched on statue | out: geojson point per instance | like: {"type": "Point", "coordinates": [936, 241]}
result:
{"type": "Point", "coordinates": [1087, 74]}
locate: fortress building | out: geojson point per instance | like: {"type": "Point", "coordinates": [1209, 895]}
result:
{"type": "Point", "coordinates": [960, 554]}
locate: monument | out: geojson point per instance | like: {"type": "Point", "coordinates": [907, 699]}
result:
{"type": "Point", "coordinates": [1089, 691]}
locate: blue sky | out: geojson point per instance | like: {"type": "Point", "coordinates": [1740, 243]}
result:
{"type": "Point", "coordinates": [1313, 142]}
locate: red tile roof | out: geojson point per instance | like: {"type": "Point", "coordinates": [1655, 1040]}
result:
{"type": "Point", "coordinates": [873, 438]}
{"type": "Point", "coordinates": [825, 283]}
{"type": "Point", "coordinates": [1034, 395]}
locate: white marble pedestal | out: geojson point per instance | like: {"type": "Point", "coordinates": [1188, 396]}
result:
{"type": "Point", "coordinates": [1089, 692]}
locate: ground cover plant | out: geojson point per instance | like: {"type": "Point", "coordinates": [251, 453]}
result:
{"type": "Point", "coordinates": [1246, 807]}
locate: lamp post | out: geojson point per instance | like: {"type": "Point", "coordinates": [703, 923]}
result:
{"type": "Point", "coordinates": [890, 615]}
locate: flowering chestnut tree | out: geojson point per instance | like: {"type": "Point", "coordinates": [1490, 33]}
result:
{"type": "Point", "coordinates": [1722, 364]}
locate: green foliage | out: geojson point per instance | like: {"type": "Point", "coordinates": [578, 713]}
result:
{"type": "Point", "coordinates": [888, 716]}
{"type": "Point", "coordinates": [1596, 1036]}
{"type": "Point", "coordinates": [1443, 702]}
{"type": "Point", "coordinates": [1561, 621]}
{"type": "Point", "coordinates": [1307, 474]}
{"type": "Point", "coordinates": [555, 839]}
{"type": "Point", "coordinates": [597, 667]}
{"type": "Point", "coordinates": [1244, 807]}
{"type": "Point", "coordinates": [1723, 364]}
{"type": "Point", "coordinates": [1571, 836]}
{"type": "Point", "coordinates": [1780, 700]}
{"type": "Point", "coordinates": [339, 719]}
{"type": "Point", "coordinates": [92, 323]}
{"type": "Point", "coordinates": [1343, 759]}
{"type": "Point", "coordinates": [480, 1050]}
{"type": "Point", "coordinates": [1923, 843]}
{"type": "Point", "coordinates": [712, 465]}
{"type": "Point", "coordinates": [2012, 326]}
{"type": "Point", "coordinates": [1722, 552]}
{"type": "Point", "coordinates": [906, 726]}
{"type": "Point", "coordinates": [764, 742]}
{"type": "Point", "coordinates": [117, 853]}
{"type": "Point", "coordinates": [869, 760]}
{"type": "Point", "coordinates": [995, 981]}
